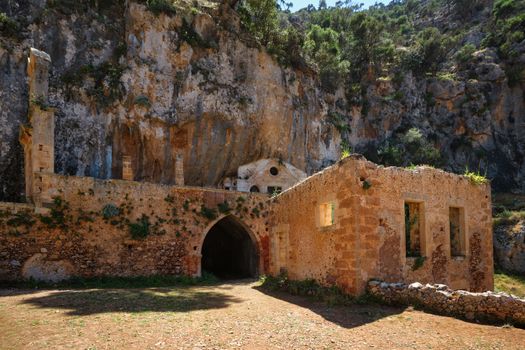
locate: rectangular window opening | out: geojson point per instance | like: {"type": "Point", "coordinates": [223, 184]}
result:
{"type": "Point", "coordinates": [413, 227]}
{"type": "Point", "coordinates": [326, 214]}
{"type": "Point", "coordinates": [457, 232]}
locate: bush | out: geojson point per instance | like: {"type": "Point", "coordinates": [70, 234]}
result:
{"type": "Point", "coordinates": [475, 177]}
{"type": "Point", "coordinates": [110, 211]}
{"type": "Point", "coordinates": [208, 213]}
{"type": "Point", "coordinates": [59, 216]}
{"type": "Point", "coordinates": [161, 6]}
{"type": "Point", "coordinates": [464, 55]}
{"type": "Point", "coordinates": [8, 26]}
{"type": "Point", "coordinates": [140, 229]}
{"type": "Point", "coordinates": [409, 148]}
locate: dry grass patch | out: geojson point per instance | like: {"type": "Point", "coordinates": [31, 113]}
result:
{"type": "Point", "coordinates": [509, 283]}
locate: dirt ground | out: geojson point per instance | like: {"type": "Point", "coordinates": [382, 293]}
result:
{"type": "Point", "coordinates": [227, 316]}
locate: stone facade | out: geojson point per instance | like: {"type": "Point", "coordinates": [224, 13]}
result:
{"type": "Point", "coordinates": [486, 306]}
{"type": "Point", "coordinates": [87, 231]}
{"type": "Point", "coordinates": [366, 236]}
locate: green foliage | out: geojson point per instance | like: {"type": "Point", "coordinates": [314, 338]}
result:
{"type": "Point", "coordinates": [59, 216]}
{"type": "Point", "coordinates": [366, 184]}
{"type": "Point", "coordinates": [8, 26]}
{"type": "Point", "coordinates": [369, 48]}
{"type": "Point", "coordinates": [224, 207]}
{"type": "Point", "coordinates": [511, 283]}
{"type": "Point", "coordinates": [40, 101]}
{"type": "Point", "coordinates": [143, 101]}
{"type": "Point", "coordinates": [346, 149]}
{"type": "Point", "coordinates": [256, 211]}
{"type": "Point", "coordinates": [339, 121]}
{"type": "Point", "coordinates": [21, 219]}
{"type": "Point", "coordinates": [189, 35]}
{"type": "Point", "coordinates": [161, 6]}
{"type": "Point", "coordinates": [418, 263]}
{"type": "Point", "coordinates": [107, 87]}
{"type": "Point", "coordinates": [428, 51]}
{"type": "Point", "coordinates": [69, 7]}
{"type": "Point", "coordinates": [475, 177]}
{"type": "Point", "coordinates": [282, 40]}
{"type": "Point", "coordinates": [508, 26]}
{"type": "Point", "coordinates": [260, 17]}
{"type": "Point", "coordinates": [110, 211]}
{"type": "Point", "coordinates": [464, 55]}
{"type": "Point", "coordinates": [508, 217]}
{"type": "Point", "coordinates": [409, 148]}
{"type": "Point", "coordinates": [141, 228]}
{"type": "Point", "coordinates": [322, 47]}
{"type": "Point", "coordinates": [169, 199]}
{"type": "Point", "coordinates": [210, 214]}
{"type": "Point", "coordinates": [515, 74]}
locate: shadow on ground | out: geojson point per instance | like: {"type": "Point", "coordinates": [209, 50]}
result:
{"type": "Point", "coordinates": [96, 301]}
{"type": "Point", "coordinates": [347, 316]}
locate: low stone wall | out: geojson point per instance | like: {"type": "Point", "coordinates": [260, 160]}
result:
{"type": "Point", "coordinates": [438, 298]}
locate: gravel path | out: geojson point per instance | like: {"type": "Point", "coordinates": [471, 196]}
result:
{"type": "Point", "coordinates": [226, 316]}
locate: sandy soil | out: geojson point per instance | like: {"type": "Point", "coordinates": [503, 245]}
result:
{"type": "Point", "coordinates": [226, 316]}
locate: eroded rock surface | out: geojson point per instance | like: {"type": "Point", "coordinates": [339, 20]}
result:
{"type": "Point", "coordinates": [509, 246]}
{"type": "Point", "coordinates": [126, 82]}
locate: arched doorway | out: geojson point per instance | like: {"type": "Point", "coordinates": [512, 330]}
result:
{"type": "Point", "coordinates": [229, 251]}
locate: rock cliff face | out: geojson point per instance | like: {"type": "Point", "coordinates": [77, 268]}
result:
{"type": "Point", "coordinates": [127, 82]}
{"type": "Point", "coordinates": [474, 118]}
{"type": "Point", "coordinates": [509, 247]}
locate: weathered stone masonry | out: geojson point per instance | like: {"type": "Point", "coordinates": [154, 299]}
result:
{"type": "Point", "coordinates": [366, 239]}
{"type": "Point", "coordinates": [87, 232]}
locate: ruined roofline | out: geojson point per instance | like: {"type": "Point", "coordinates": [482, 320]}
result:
{"type": "Point", "coordinates": [102, 182]}
{"type": "Point", "coordinates": [357, 157]}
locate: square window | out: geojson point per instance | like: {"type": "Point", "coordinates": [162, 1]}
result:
{"type": "Point", "coordinates": [326, 214]}
{"type": "Point", "coordinates": [413, 226]}
{"type": "Point", "coordinates": [457, 231]}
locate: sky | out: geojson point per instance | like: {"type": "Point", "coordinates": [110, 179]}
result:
{"type": "Point", "coordinates": [299, 4]}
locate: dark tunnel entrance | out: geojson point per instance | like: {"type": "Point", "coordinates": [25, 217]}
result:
{"type": "Point", "coordinates": [228, 251]}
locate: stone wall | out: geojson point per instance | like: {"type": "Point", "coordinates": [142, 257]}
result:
{"type": "Point", "coordinates": [86, 229]}
{"type": "Point", "coordinates": [367, 237]}
{"type": "Point", "coordinates": [487, 306]}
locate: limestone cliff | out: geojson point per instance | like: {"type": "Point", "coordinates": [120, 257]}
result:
{"type": "Point", "coordinates": [128, 82]}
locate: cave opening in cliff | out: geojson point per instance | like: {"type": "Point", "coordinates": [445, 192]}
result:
{"type": "Point", "coordinates": [228, 251]}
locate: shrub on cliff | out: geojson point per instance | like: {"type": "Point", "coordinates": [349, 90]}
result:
{"type": "Point", "coordinates": [8, 26]}
{"type": "Point", "coordinates": [409, 148]}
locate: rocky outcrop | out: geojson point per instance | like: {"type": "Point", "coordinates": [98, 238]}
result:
{"type": "Point", "coordinates": [487, 306]}
{"type": "Point", "coordinates": [509, 246]}
{"type": "Point", "coordinates": [126, 82]}
{"type": "Point", "coordinates": [472, 116]}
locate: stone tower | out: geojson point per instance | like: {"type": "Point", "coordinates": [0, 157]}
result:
{"type": "Point", "coordinates": [38, 137]}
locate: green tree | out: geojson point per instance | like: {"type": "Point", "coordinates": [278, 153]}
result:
{"type": "Point", "coordinates": [261, 18]}
{"type": "Point", "coordinates": [322, 47]}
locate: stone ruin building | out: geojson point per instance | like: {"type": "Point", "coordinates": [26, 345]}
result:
{"type": "Point", "coordinates": [351, 222]}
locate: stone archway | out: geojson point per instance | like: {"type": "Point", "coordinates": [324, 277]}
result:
{"type": "Point", "coordinates": [230, 250]}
